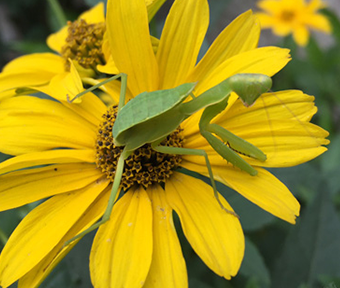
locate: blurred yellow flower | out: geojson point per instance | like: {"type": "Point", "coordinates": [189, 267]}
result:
{"type": "Point", "coordinates": [295, 17]}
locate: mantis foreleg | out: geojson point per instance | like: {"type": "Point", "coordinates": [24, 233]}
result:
{"type": "Point", "coordinates": [236, 143]}
{"type": "Point", "coordinates": [198, 152]}
{"type": "Point", "coordinates": [123, 78]}
{"type": "Point", "coordinates": [120, 165]}
{"type": "Point", "coordinates": [114, 191]}
{"type": "Point", "coordinates": [206, 129]}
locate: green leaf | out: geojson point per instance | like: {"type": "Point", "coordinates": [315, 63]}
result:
{"type": "Point", "coordinates": [330, 164]}
{"type": "Point", "coordinates": [58, 14]}
{"type": "Point", "coordinates": [331, 159]}
{"type": "Point", "coordinates": [252, 217]}
{"type": "Point", "coordinates": [4, 157]}
{"type": "Point", "coordinates": [73, 270]}
{"type": "Point", "coordinates": [329, 282]}
{"type": "Point", "coordinates": [29, 46]}
{"type": "Point", "coordinates": [315, 54]}
{"type": "Point", "coordinates": [312, 248]}
{"type": "Point", "coordinates": [92, 3]}
{"type": "Point", "coordinates": [9, 220]}
{"type": "Point", "coordinates": [333, 18]}
{"type": "Point", "coordinates": [253, 267]}
{"type": "Point", "coordinates": [301, 180]}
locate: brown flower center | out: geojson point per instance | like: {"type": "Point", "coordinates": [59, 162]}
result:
{"type": "Point", "coordinates": [287, 16]}
{"type": "Point", "coordinates": [84, 44]}
{"type": "Point", "coordinates": [145, 166]}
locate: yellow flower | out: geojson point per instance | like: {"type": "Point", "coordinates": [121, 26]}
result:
{"type": "Point", "coordinates": [83, 41]}
{"type": "Point", "coordinates": [293, 17]}
{"type": "Point", "coordinates": [68, 148]}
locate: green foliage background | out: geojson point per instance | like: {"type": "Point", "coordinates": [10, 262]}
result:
{"type": "Point", "coordinates": [277, 254]}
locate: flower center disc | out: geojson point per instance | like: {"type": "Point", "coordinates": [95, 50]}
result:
{"type": "Point", "coordinates": [287, 16]}
{"type": "Point", "coordinates": [84, 44]}
{"type": "Point", "coordinates": [144, 166]}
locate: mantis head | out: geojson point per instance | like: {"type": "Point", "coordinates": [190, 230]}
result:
{"type": "Point", "coordinates": [249, 87]}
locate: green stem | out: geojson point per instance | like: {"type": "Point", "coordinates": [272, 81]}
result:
{"type": "Point", "coordinates": [58, 12]}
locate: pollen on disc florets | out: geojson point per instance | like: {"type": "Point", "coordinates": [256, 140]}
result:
{"type": "Point", "coordinates": [84, 44]}
{"type": "Point", "coordinates": [144, 166]}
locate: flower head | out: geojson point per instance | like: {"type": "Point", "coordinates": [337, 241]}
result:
{"type": "Point", "coordinates": [83, 41]}
{"type": "Point", "coordinates": [72, 158]}
{"type": "Point", "coordinates": [293, 17]}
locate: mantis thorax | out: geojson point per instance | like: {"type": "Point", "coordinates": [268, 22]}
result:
{"type": "Point", "coordinates": [84, 44]}
{"type": "Point", "coordinates": [144, 166]}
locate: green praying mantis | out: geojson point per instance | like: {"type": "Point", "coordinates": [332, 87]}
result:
{"type": "Point", "coordinates": [151, 116]}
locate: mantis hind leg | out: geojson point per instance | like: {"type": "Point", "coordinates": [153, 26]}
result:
{"type": "Point", "coordinates": [114, 192]}
{"type": "Point", "coordinates": [198, 152]}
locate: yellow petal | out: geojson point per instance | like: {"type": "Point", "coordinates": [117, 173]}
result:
{"type": "Point", "coordinates": [153, 7]}
{"type": "Point", "coordinates": [42, 229]}
{"type": "Point", "coordinates": [286, 143]}
{"type": "Point", "coordinates": [122, 249]}
{"type": "Point", "coordinates": [131, 49]}
{"type": "Point", "coordinates": [95, 15]}
{"type": "Point", "coordinates": [271, 6]}
{"type": "Point", "coordinates": [181, 40]}
{"type": "Point", "coordinates": [301, 35]}
{"type": "Point", "coordinates": [46, 62]}
{"type": "Point", "coordinates": [47, 157]}
{"type": "Point", "coordinates": [31, 70]}
{"type": "Point", "coordinates": [315, 5]}
{"type": "Point", "coordinates": [91, 108]}
{"type": "Point", "coordinates": [23, 131]}
{"type": "Point", "coordinates": [67, 86]}
{"type": "Point", "coordinates": [264, 189]}
{"type": "Point", "coordinates": [286, 104]}
{"type": "Point", "coordinates": [35, 276]}
{"type": "Point", "coordinates": [282, 29]}
{"type": "Point", "coordinates": [240, 36]}
{"type": "Point", "coordinates": [57, 40]}
{"type": "Point", "coordinates": [168, 268]}
{"type": "Point", "coordinates": [109, 68]}
{"type": "Point", "coordinates": [265, 60]}
{"type": "Point", "coordinates": [319, 22]}
{"type": "Point", "coordinates": [215, 235]}
{"type": "Point", "coordinates": [6, 94]}
{"type": "Point", "coordinates": [38, 274]}
{"type": "Point", "coordinates": [266, 20]}
{"type": "Point", "coordinates": [26, 186]}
